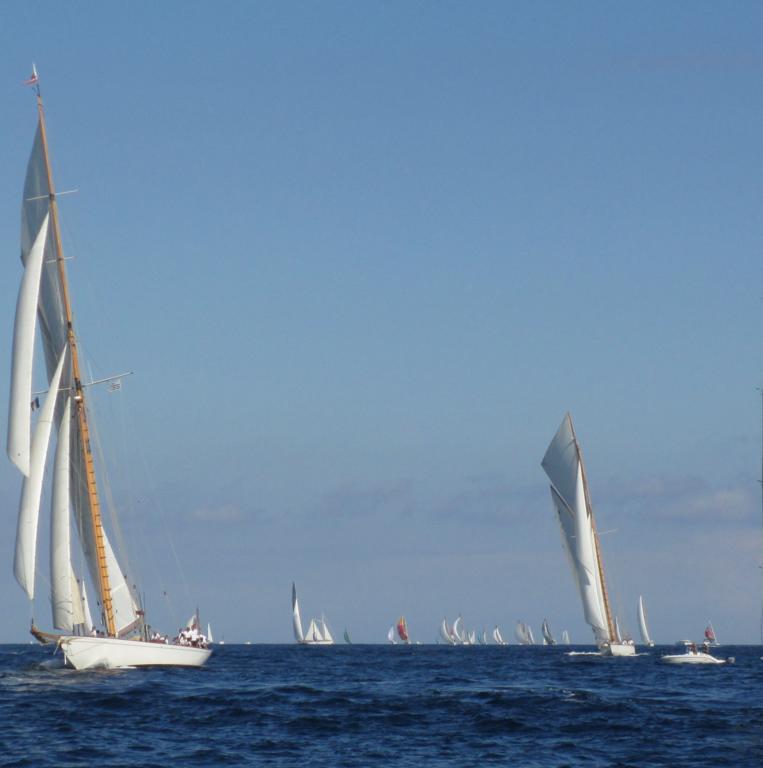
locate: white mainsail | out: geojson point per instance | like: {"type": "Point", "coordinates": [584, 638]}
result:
{"type": "Point", "coordinates": [645, 639]}
{"type": "Point", "coordinates": [61, 573]}
{"type": "Point", "coordinates": [19, 411]}
{"type": "Point", "coordinates": [31, 490]}
{"type": "Point", "coordinates": [298, 636]}
{"type": "Point", "coordinates": [563, 465]}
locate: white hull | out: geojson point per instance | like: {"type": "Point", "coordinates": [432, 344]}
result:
{"type": "Point", "coordinates": [111, 652]}
{"type": "Point", "coordinates": [692, 658]}
{"type": "Point", "coordinates": [618, 649]}
{"type": "Point", "coordinates": [316, 642]}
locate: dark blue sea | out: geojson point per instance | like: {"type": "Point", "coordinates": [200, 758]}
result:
{"type": "Point", "coordinates": [357, 705]}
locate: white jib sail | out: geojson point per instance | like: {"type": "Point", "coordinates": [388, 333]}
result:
{"type": "Point", "coordinates": [298, 636]}
{"type": "Point", "coordinates": [325, 631]}
{"type": "Point", "coordinates": [564, 469]}
{"type": "Point", "coordinates": [88, 623]}
{"type": "Point", "coordinates": [19, 412]}
{"type": "Point", "coordinates": [642, 622]}
{"type": "Point", "coordinates": [122, 601]}
{"type": "Point", "coordinates": [31, 490]}
{"type": "Point", "coordinates": [313, 633]}
{"type": "Point", "coordinates": [78, 607]}
{"type": "Point", "coordinates": [61, 574]}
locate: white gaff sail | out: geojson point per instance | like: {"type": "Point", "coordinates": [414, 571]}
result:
{"type": "Point", "coordinates": [19, 412]}
{"type": "Point", "coordinates": [563, 465]}
{"type": "Point", "coordinates": [298, 636]}
{"type": "Point", "coordinates": [313, 634]}
{"type": "Point", "coordinates": [31, 490]}
{"type": "Point", "coordinates": [62, 594]}
{"type": "Point", "coordinates": [645, 639]}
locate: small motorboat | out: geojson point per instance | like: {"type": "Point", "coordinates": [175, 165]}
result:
{"type": "Point", "coordinates": [694, 655]}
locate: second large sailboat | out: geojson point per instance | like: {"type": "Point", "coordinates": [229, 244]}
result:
{"type": "Point", "coordinates": [563, 463]}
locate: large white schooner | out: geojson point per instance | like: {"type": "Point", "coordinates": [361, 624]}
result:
{"type": "Point", "coordinates": [44, 302]}
{"type": "Point", "coordinates": [563, 463]}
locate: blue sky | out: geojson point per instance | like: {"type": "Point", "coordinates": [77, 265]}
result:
{"type": "Point", "coordinates": [362, 258]}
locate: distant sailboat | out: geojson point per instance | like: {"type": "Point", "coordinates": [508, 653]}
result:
{"type": "Point", "coordinates": [347, 637]}
{"type": "Point", "coordinates": [391, 636]}
{"type": "Point", "coordinates": [565, 637]}
{"type": "Point", "coordinates": [710, 635]}
{"type": "Point", "coordinates": [317, 631]}
{"type": "Point", "coordinates": [524, 634]}
{"type": "Point", "coordinates": [497, 637]}
{"type": "Point", "coordinates": [402, 630]}
{"type": "Point", "coordinates": [563, 463]}
{"type": "Point", "coordinates": [210, 638]}
{"type": "Point", "coordinates": [548, 638]}
{"type": "Point", "coordinates": [483, 637]}
{"type": "Point", "coordinates": [642, 628]}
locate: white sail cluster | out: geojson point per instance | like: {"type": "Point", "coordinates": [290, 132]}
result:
{"type": "Point", "coordinates": [317, 633]}
{"type": "Point", "coordinates": [41, 304]}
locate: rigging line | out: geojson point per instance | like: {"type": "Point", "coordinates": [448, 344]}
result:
{"type": "Point", "coordinates": [106, 482]}
{"type": "Point", "coordinates": [146, 542]}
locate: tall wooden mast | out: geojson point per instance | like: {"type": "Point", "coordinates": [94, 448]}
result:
{"type": "Point", "coordinates": [104, 586]}
{"type": "Point", "coordinates": [599, 561]}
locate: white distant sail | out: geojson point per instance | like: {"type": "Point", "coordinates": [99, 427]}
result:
{"type": "Point", "coordinates": [325, 633]}
{"type": "Point", "coordinates": [19, 411]}
{"type": "Point", "coordinates": [548, 638]}
{"type": "Point", "coordinates": [565, 637]}
{"type": "Point", "coordinates": [446, 633]}
{"type": "Point", "coordinates": [458, 630]}
{"type": "Point", "coordinates": [210, 639]}
{"type": "Point", "coordinates": [31, 491]}
{"type": "Point", "coordinates": [645, 639]}
{"type": "Point", "coordinates": [391, 636]}
{"type": "Point", "coordinates": [563, 464]}
{"type": "Point", "coordinates": [497, 637]}
{"type": "Point", "coordinates": [297, 621]}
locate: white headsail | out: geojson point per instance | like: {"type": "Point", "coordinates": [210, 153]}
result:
{"type": "Point", "coordinates": [298, 636]}
{"type": "Point", "coordinates": [642, 623]}
{"type": "Point", "coordinates": [61, 574]}
{"type": "Point", "coordinates": [19, 412]}
{"type": "Point", "coordinates": [31, 491]}
{"type": "Point", "coordinates": [562, 463]}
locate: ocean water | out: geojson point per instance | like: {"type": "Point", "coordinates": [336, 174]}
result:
{"type": "Point", "coordinates": [284, 705]}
